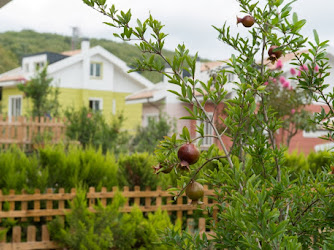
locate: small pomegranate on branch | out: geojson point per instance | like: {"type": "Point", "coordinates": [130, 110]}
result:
{"type": "Point", "coordinates": [195, 192]}
{"type": "Point", "coordinates": [188, 154]}
{"type": "Point", "coordinates": [274, 53]}
{"type": "Point", "coordinates": [247, 21]}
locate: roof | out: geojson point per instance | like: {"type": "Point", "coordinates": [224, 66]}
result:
{"type": "Point", "coordinates": [71, 52]}
{"type": "Point", "coordinates": [51, 57]}
{"type": "Point", "coordinates": [61, 61]}
{"type": "Point", "coordinates": [12, 78]}
{"type": "Point", "coordinates": [154, 93]}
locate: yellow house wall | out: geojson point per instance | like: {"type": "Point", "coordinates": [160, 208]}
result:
{"type": "Point", "coordinates": [132, 112]}
{"type": "Point", "coordinates": [14, 91]}
{"type": "Point", "coordinates": [80, 97]}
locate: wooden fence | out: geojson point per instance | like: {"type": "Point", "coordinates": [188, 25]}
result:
{"type": "Point", "coordinates": [42, 207]}
{"type": "Point", "coordinates": [24, 131]}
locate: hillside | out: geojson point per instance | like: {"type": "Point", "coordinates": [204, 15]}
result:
{"type": "Point", "coordinates": [14, 45]}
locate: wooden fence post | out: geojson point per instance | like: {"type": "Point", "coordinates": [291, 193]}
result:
{"type": "Point", "coordinates": [148, 199]}
{"type": "Point", "coordinates": [16, 234]}
{"type": "Point", "coordinates": [45, 233]}
{"type": "Point", "coordinates": [31, 233]}
{"type": "Point", "coordinates": [49, 204]}
{"type": "Point", "coordinates": [24, 206]}
{"type": "Point", "coordinates": [37, 205]}
{"type": "Point", "coordinates": [137, 198]}
{"type": "Point", "coordinates": [104, 200]}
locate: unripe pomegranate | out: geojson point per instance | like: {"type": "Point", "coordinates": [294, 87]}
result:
{"type": "Point", "coordinates": [195, 191]}
{"type": "Point", "coordinates": [188, 154]}
{"type": "Point", "coordinates": [246, 21]}
{"type": "Point", "coordinates": [274, 55]}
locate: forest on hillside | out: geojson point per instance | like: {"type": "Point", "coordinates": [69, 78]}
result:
{"type": "Point", "coordinates": [14, 45]}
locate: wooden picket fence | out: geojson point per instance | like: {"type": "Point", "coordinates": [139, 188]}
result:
{"type": "Point", "coordinates": [24, 131]}
{"type": "Point", "coordinates": [43, 207]}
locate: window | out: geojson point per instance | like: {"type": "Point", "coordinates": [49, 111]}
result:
{"type": "Point", "coordinates": [26, 67]}
{"type": "Point", "coordinates": [38, 65]}
{"type": "Point", "coordinates": [230, 77]}
{"type": "Point", "coordinates": [150, 118]}
{"type": "Point", "coordinates": [95, 104]}
{"type": "Point", "coordinates": [207, 141]}
{"type": "Point", "coordinates": [96, 70]}
{"type": "Point", "coordinates": [15, 106]}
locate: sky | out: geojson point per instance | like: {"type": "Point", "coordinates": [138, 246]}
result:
{"type": "Point", "coordinates": [186, 21]}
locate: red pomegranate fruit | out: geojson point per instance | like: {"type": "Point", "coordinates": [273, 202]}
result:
{"type": "Point", "coordinates": [195, 191]}
{"type": "Point", "coordinates": [246, 21]}
{"type": "Point", "coordinates": [274, 55]}
{"type": "Point", "coordinates": [188, 154]}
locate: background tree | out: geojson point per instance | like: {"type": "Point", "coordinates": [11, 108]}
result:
{"type": "Point", "coordinates": [91, 128]}
{"type": "Point", "coordinates": [289, 103]}
{"type": "Point", "coordinates": [148, 137]}
{"type": "Point", "coordinates": [43, 95]}
{"type": "Point", "coordinates": [259, 206]}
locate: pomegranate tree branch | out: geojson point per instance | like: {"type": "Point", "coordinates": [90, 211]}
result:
{"type": "Point", "coordinates": [196, 172]}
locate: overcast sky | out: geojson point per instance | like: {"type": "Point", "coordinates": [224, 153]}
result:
{"type": "Point", "coordinates": [186, 21]}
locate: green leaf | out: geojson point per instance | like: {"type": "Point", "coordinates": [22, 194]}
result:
{"type": "Point", "coordinates": [316, 37]}
{"type": "Point", "coordinates": [186, 133]}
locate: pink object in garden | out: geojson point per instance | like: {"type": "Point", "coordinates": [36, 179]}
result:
{"type": "Point", "coordinates": [304, 67]}
{"type": "Point", "coordinates": [282, 79]}
{"type": "Point", "coordinates": [266, 83]}
{"type": "Point", "coordinates": [286, 85]}
{"type": "Point", "coordinates": [279, 64]}
{"type": "Point", "coordinates": [89, 115]}
{"type": "Point", "coordinates": [274, 80]}
{"type": "Point", "coordinates": [293, 111]}
{"type": "Point", "coordinates": [292, 71]}
{"type": "Point", "coordinates": [316, 68]}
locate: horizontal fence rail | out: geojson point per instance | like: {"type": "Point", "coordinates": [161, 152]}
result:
{"type": "Point", "coordinates": [24, 131]}
{"type": "Point", "coordinates": [43, 207]}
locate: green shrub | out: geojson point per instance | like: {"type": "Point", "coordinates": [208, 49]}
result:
{"type": "Point", "coordinates": [88, 167]}
{"type": "Point", "coordinates": [91, 128]}
{"type": "Point", "coordinates": [136, 170]}
{"type": "Point", "coordinates": [319, 160]}
{"type": "Point", "coordinates": [19, 171]}
{"type": "Point", "coordinates": [108, 228]}
{"type": "Point", "coordinates": [296, 163]}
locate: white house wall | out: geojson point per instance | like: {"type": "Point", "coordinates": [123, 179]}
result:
{"type": "Point", "coordinates": [124, 84]}
{"type": "Point", "coordinates": [69, 77]}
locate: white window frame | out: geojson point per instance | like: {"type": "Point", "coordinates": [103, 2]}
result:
{"type": "Point", "coordinates": [314, 134]}
{"type": "Point", "coordinates": [96, 99]}
{"type": "Point", "coordinates": [208, 130]}
{"type": "Point", "coordinates": [93, 71]}
{"type": "Point", "coordinates": [114, 106]}
{"type": "Point", "coordinates": [149, 116]}
{"type": "Point", "coordinates": [10, 106]}
{"type": "Point", "coordinates": [230, 77]}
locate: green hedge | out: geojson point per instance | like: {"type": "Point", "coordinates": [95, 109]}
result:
{"type": "Point", "coordinates": [58, 166]}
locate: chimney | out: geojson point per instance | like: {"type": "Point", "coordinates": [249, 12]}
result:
{"type": "Point", "coordinates": [85, 44]}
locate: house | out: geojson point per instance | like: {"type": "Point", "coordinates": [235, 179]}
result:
{"type": "Point", "coordinates": [91, 77]}
{"type": "Point", "coordinates": [157, 99]}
